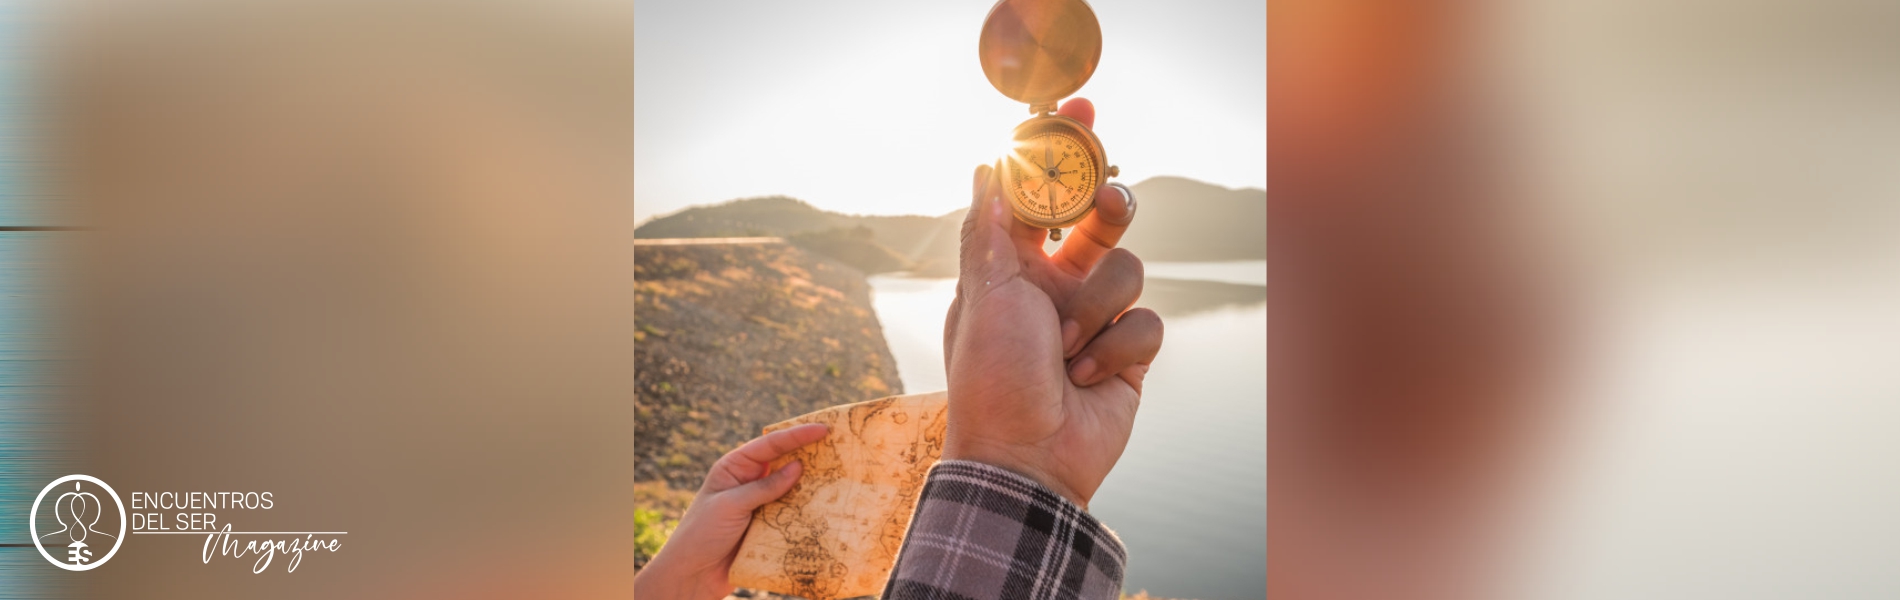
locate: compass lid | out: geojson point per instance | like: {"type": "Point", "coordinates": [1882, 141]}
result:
{"type": "Point", "coordinates": [1040, 51]}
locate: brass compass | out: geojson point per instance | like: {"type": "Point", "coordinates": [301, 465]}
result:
{"type": "Point", "coordinates": [1038, 52]}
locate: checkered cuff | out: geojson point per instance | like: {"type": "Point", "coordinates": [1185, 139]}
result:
{"type": "Point", "coordinates": [982, 532]}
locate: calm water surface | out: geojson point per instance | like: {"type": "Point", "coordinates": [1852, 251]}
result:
{"type": "Point", "coordinates": [1246, 272]}
{"type": "Point", "coordinates": [1189, 495]}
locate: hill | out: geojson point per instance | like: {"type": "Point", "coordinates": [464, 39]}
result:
{"type": "Point", "coordinates": [732, 337]}
{"type": "Point", "coordinates": [893, 243]}
{"type": "Point", "coordinates": [856, 246]}
{"type": "Point", "coordinates": [1181, 220]}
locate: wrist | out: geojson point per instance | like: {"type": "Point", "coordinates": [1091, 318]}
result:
{"type": "Point", "coordinates": [654, 582]}
{"type": "Point", "coordinates": [1027, 463]}
{"type": "Point", "coordinates": [662, 580]}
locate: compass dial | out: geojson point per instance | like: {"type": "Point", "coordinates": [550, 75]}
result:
{"type": "Point", "coordinates": [1052, 178]}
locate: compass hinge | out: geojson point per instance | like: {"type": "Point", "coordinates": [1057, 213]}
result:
{"type": "Point", "coordinates": [1042, 109]}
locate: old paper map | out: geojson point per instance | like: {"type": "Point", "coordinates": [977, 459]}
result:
{"type": "Point", "coordinates": [837, 532]}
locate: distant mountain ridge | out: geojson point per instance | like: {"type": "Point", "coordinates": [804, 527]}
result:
{"type": "Point", "coordinates": [1180, 220]}
{"type": "Point", "coordinates": [1183, 220]}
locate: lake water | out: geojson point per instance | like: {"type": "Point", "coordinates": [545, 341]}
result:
{"type": "Point", "coordinates": [1246, 272]}
{"type": "Point", "coordinates": [1189, 495]}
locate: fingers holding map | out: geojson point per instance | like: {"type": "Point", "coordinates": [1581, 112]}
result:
{"type": "Point", "coordinates": [837, 533]}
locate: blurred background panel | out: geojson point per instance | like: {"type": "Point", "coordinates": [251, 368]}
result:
{"type": "Point", "coordinates": [1725, 179]}
{"type": "Point", "coordinates": [1707, 195]}
{"type": "Point", "coordinates": [371, 257]}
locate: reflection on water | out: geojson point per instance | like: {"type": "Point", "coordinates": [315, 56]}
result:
{"type": "Point", "coordinates": [1173, 298]}
{"type": "Point", "coordinates": [1189, 495]}
{"type": "Point", "coordinates": [1246, 272]}
{"type": "Point", "coordinates": [912, 311]}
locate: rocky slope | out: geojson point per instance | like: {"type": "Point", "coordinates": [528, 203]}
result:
{"type": "Point", "coordinates": [733, 337]}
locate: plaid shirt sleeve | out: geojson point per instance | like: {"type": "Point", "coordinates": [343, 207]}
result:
{"type": "Point", "coordinates": [981, 532]}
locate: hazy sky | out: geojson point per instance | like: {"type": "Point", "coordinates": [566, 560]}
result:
{"type": "Point", "coordinates": [874, 107]}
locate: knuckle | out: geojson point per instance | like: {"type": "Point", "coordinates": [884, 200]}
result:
{"type": "Point", "coordinates": [1097, 235]}
{"type": "Point", "coordinates": [1092, 310]}
{"type": "Point", "coordinates": [781, 441]}
{"type": "Point", "coordinates": [727, 501]}
{"type": "Point", "coordinates": [730, 459]}
{"type": "Point", "coordinates": [1125, 261]}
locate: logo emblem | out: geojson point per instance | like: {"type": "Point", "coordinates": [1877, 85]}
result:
{"type": "Point", "coordinates": [77, 522]}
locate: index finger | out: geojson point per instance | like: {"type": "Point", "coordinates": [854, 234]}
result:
{"type": "Point", "coordinates": [1100, 231]}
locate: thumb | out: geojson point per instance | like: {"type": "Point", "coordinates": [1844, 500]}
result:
{"type": "Point", "coordinates": [987, 255]}
{"type": "Point", "coordinates": [768, 488]}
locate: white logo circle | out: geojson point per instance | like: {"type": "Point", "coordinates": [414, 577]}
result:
{"type": "Point", "coordinates": [79, 562]}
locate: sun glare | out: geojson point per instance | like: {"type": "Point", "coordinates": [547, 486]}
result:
{"type": "Point", "coordinates": [772, 103]}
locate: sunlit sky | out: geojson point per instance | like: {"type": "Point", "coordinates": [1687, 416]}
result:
{"type": "Point", "coordinates": [870, 107]}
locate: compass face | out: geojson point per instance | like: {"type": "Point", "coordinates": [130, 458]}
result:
{"type": "Point", "coordinates": [1052, 178]}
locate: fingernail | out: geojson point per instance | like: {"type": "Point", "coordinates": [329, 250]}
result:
{"type": "Point", "coordinates": [1083, 370]}
{"type": "Point", "coordinates": [1069, 331]}
{"type": "Point", "coordinates": [1128, 196]}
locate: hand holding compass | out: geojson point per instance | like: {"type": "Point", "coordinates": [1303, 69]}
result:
{"type": "Point", "coordinates": [1045, 359]}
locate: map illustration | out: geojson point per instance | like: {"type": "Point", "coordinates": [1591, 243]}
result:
{"type": "Point", "coordinates": [836, 534]}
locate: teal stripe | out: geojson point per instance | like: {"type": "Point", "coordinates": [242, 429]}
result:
{"type": "Point", "coordinates": [32, 426]}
